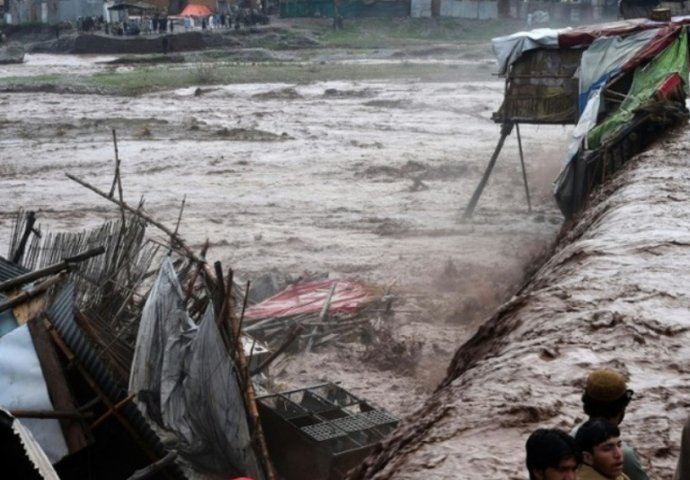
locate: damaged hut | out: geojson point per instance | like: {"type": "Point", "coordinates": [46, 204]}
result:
{"type": "Point", "coordinates": [622, 84]}
{"type": "Point", "coordinates": [71, 396]}
{"type": "Point", "coordinates": [109, 369]}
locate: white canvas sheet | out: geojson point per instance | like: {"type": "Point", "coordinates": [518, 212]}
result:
{"type": "Point", "coordinates": [509, 48]}
{"type": "Point", "coordinates": [22, 387]}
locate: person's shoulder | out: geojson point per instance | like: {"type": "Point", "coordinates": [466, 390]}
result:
{"type": "Point", "coordinates": [585, 472]}
{"type": "Point", "coordinates": [629, 453]}
{"type": "Point", "coordinates": [573, 432]}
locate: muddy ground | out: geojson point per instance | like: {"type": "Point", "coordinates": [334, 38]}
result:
{"type": "Point", "coordinates": [361, 179]}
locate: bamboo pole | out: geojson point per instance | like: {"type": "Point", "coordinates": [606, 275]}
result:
{"type": "Point", "coordinates": [249, 394]}
{"type": "Point", "coordinates": [175, 239]}
{"type": "Point", "coordinates": [116, 175]}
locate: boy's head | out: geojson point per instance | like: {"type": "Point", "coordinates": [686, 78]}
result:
{"type": "Point", "coordinates": [600, 444]}
{"type": "Point", "coordinates": [551, 455]}
{"type": "Point", "coordinates": [606, 395]}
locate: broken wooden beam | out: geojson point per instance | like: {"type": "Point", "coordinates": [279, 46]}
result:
{"type": "Point", "coordinates": [51, 414]}
{"type": "Point", "coordinates": [44, 272]}
{"type": "Point", "coordinates": [29, 294]}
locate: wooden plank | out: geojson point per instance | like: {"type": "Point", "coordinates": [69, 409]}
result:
{"type": "Point", "coordinates": [50, 414]}
{"type": "Point", "coordinates": [58, 389]}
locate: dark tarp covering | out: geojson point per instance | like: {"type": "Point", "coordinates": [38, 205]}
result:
{"type": "Point", "coordinates": [187, 382]}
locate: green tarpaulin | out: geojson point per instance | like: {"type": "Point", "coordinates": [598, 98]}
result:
{"type": "Point", "coordinates": [646, 80]}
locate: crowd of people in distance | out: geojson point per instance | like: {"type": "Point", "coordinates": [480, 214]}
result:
{"type": "Point", "coordinates": [235, 16]}
{"type": "Point", "coordinates": [594, 449]}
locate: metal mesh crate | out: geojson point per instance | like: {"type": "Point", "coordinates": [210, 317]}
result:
{"type": "Point", "coordinates": [320, 432]}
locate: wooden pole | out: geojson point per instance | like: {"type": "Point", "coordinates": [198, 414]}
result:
{"type": "Point", "coordinates": [51, 414]}
{"type": "Point", "coordinates": [174, 238]}
{"type": "Point", "coordinates": [195, 274]}
{"type": "Point", "coordinates": [506, 128]}
{"type": "Point", "coordinates": [524, 171]}
{"type": "Point", "coordinates": [179, 217]}
{"type": "Point", "coordinates": [116, 176]}
{"type": "Point", "coordinates": [249, 395]}
{"type": "Point", "coordinates": [29, 294]}
{"type": "Point", "coordinates": [19, 253]}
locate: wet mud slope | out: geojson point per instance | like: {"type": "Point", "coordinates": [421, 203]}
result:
{"type": "Point", "coordinates": [615, 293]}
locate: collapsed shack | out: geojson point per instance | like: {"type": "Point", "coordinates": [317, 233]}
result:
{"type": "Point", "coordinates": [623, 84]}
{"type": "Point", "coordinates": [310, 313]}
{"type": "Point", "coordinates": [72, 337]}
{"type": "Point", "coordinates": [128, 377]}
{"type": "Point", "coordinates": [615, 293]}
{"type": "Point", "coordinates": [71, 396]}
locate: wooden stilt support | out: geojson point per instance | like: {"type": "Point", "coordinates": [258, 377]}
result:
{"type": "Point", "coordinates": [524, 171]}
{"type": "Point", "coordinates": [506, 128]}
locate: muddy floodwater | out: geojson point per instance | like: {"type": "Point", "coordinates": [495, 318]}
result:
{"type": "Point", "coordinates": [362, 179]}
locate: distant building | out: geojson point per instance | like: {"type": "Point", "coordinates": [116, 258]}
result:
{"type": "Point", "coordinates": [577, 11]}
{"type": "Point", "coordinates": [350, 8]}
{"type": "Point", "coordinates": [55, 11]}
{"type": "Point", "coordinates": [50, 11]}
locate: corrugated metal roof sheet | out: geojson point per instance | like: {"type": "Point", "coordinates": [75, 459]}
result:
{"type": "Point", "coordinates": [10, 270]}
{"type": "Point", "coordinates": [61, 313]}
{"type": "Point", "coordinates": [32, 449]}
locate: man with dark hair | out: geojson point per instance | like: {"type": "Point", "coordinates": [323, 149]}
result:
{"type": "Point", "coordinates": [607, 396]}
{"type": "Point", "coordinates": [602, 455]}
{"type": "Point", "coordinates": [551, 455]}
